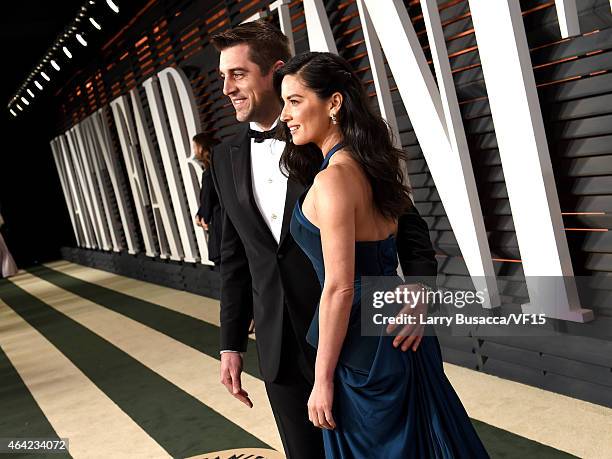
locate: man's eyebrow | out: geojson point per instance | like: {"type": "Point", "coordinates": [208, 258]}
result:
{"type": "Point", "coordinates": [235, 69]}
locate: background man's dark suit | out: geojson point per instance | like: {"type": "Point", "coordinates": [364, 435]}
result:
{"type": "Point", "coordinates": [276, 284]}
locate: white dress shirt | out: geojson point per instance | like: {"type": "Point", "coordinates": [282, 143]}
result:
{"type": "Point", "coordinates": [269, 183]}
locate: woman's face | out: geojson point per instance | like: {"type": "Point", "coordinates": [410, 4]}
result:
{"type": "Point", "coordinates": [306, 115]}
{"type": "Point", "coordinates": [198, 151]}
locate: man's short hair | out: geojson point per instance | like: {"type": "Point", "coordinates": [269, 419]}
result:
{"type": "Point", "coordinates": [267, 44]}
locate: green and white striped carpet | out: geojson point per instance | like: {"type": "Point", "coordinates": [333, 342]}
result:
{"type": "Point", "coordinates": [124, 368]}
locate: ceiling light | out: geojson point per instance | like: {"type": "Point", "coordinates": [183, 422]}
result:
{"type": "Point", "coordinates": [81, 40]}
{"type": "Point", "coordinates": [30, 92]}
{"type": "Point", "coordinates": [112, 6]}
{"type": "Point", "coordinates": [54, 65]}
{"type": "Point", "coordinates": [95, 24]}
{"type": "Point", "coordinates": [67, 52]}
{"type": "Point", "coordinates": [19, 107]}
{"type": "Point", "coordinates": [24, 100]}
{"type": "Point", "coordinates": [45, 76]}
{"type": "Point", "coordinates": [13, 112]}
{"type": "Point", "coordinates": [38, 85]}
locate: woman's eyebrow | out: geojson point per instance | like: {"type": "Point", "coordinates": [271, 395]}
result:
{"type": "Point", "coordinates": [293, 95]}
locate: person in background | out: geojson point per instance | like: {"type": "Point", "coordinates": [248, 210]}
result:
{"type": "Point", "coordinates": [8, 267]}
{"type": "Point", "coordinates": [209, 215]}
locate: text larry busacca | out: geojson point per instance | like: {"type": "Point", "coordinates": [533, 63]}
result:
{"type": "Point", "coordinates": [458, 298]}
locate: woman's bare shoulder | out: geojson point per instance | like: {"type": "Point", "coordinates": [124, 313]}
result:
{"type": "Point", "coordinates": [337, 179]}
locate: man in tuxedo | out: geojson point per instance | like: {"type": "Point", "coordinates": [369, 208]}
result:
{"type": "Point", "coordinates": [264, 274]}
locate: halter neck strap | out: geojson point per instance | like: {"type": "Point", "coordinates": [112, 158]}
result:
{"type": "Point", "coordinates": [329, 154]}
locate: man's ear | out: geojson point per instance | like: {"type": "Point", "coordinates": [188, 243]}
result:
{"type": "Point", "coordinates": [277, 65]}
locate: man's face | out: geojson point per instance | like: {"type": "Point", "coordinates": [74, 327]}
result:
{"type": "Point", "coordinates": [252, 94]}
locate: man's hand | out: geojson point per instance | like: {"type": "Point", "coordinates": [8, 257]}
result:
{"type": "Point", "coordinates": [411, 334]}
{"type": "Point", "coordinates": [231, 369]}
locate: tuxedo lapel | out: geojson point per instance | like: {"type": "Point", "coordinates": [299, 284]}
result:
{"type": "Point", "coordinates": [241, 168]}
{"type": "Point", "coordinates": [240, 151]}
{"type": "Point", "coordinates": [294, 190]}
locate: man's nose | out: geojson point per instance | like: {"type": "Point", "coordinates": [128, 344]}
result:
{"type": "Point", "coordinates": [228, 86]}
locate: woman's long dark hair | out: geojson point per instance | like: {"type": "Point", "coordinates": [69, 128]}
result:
{"type": "Point", "coordinates": [366, 135]}
{"type": "Point", "coordinates": [206, 142]}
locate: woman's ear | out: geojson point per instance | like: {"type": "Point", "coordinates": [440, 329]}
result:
{"type": "Point", "coordinates": [336, 102]}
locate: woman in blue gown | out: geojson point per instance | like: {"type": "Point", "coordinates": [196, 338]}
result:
{"type": "Point", "coordinates": [371, 399]}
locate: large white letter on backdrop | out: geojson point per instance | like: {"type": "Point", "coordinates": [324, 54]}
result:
{"type": "Point", "coordinates": [70, 204]}
{"type": "Point", "coordinates": [567, 15]}
{"type": "Point", "coordinates": [179, 191]}
{"type": "Point", "coordinates": [284, 19]}
{"type": "Point", "coordinates": [84, 189]}
{"type": "Point", "coordinates": [101, 129]}
{"type": "Point", "coordinates": [92, 185]}
{"type": "Point", "coordinates": [77, 195]}
{"type": "Point", "coordinates": [450, 167]}
{"type": "Point", "coordinates": [320, 37]}
{"type": "Point", "coordinates": [523, 148]}
{"type": "Point", "coordinates": [100, 172]}
{"type": "Point", "coordinates": [165, 221]}
{"type": "Point", "coordinates": [379, 74]}
{"type": "Point", "coordinates": [184, 121]}
{"type": "Point", "coordinates": [129, 146]}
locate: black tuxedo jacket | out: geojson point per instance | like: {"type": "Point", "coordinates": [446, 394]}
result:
{"type": "Point", "coordinates": [266, 280]}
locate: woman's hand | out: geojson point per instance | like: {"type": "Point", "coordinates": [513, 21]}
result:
{"type": "Point", "coordinates": [320, 405]}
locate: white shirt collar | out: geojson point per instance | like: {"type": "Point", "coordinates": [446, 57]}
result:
{"type": "Point", "coordinates": [256, 126]}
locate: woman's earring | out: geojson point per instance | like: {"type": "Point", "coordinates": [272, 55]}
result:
{"type": "Point", "coordinates": [334, 119]}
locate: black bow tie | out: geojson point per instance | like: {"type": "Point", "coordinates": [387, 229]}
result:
{"type": "Point", "coordinates": [260, 136]}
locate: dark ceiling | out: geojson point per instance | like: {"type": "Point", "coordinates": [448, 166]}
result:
{"type": "Point", "coordinates": [27, 29]}
{"type": "Point", "coordinates": [31, 200]}
{"type": "Point", "coordinates": [31, 197]}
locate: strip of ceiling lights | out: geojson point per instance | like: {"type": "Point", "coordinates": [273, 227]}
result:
{"type": "Point", "coordinates": [75, 34]}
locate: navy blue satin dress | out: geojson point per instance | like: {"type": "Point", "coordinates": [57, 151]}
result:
{"type": "Point", "coordinates": [387, 403]}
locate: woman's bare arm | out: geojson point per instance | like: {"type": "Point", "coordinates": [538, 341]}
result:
{"type": "Point", "coordinates": [335, 213]}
